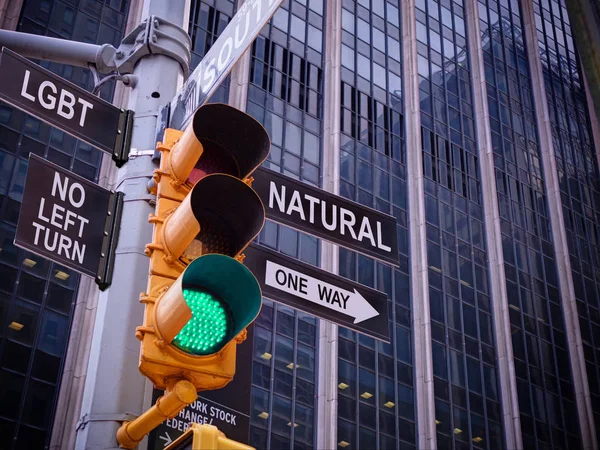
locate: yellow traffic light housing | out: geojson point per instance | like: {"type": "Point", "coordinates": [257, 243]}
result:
{"type": "Point", "coordinates": [205, 437]}
{"type": "Point", "coordinates": [200, 297]}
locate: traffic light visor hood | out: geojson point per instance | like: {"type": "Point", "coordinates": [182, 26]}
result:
{"type": "Point", "coordinates": [229, 281]}
{"type": "Point", "coordinates": [222, 128]}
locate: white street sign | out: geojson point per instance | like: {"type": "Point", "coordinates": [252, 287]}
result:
{"type": "Point", "coordinates": [307, 288]}
{"type": "Point", "coordinates": [349, 303]}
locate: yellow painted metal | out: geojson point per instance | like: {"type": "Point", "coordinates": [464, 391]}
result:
{"type": "Point", "coordinates": [206, 437]}
{"type": "Point", "coordinates": [179, 394]}
{"type": "Point", "coordinates": [160, 361]}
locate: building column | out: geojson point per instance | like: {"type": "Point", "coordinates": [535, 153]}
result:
{"type": "Point", "coordinates": [419, 278]}
{"type": "Point", "coordinates": [504, 351]}
{"type": "Point", "coordinates": [327, 390]}
{"type": "Point", "coordinates": [240, 77]}
{"type": "Point", "coordinates": [563, 263]}
{"type": "Point", "coordinates": [10, 10]}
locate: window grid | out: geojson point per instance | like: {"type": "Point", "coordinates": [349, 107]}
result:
{"type": "Point", "coordinates": [464, 367]}
{"type": "Point", "coordinates": [283, 378]}
{"type": "Point", "coordinates": [376, 387]}
{"type": "Point", "coordinates": [537, 321]}
{"type": "Point", "coordinates": [91, 22]}
{"type": "Point", "coordinates": [286, 95]}
{"type": "Point", "coordinates": [208, 19]}
{"type": "Point", "coordinates": [31, 356]}
{"type": "Point", "coordinates": [577, 174]}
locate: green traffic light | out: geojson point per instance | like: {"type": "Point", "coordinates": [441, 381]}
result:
{"type": "Point", "coordinates": [208, 328]}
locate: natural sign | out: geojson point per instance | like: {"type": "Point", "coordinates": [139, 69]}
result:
{"type": "Point", "coordinates": [327, 216]}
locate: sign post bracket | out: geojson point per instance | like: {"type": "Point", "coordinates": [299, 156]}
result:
{"type": "Point", "coordinates": [123, 142]}
{"type": "Point", "coordinates": [109, 241]}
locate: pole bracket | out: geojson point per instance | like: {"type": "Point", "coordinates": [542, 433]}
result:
{"type": "Point", "coordinates": [109, 240]}
{"type": "Point", "coordinates": [86, 418]}
{"type": "Point", "coordinates": [154, 36]}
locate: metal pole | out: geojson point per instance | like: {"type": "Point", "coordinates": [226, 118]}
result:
{"type": "Point", "coordinates": [59, 50]}
{"type": "Point", "coordinates": [114, 385]}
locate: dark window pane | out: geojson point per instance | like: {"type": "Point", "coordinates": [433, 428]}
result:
{"type": "Point", "coordinates": [15, 357]}
{"type": "Point", "coordinates": [11, 394]}
{"type": "Point", "coordinates": [53, 333]}
{"type": "Point", "coordinates": [31, 288]}
{"type": "Point", "coordinates": [31, 437]}
{"type": "Point", "coordinates": [60, 298]}
{"type": "Point", "coordinates": [45, 366]}
{"type": "Point", "coordinates": [305, 391]}
{"type": "Point", "coordinates": [7, 431]}
{"type": "Point", "coordinates": [39, 401]}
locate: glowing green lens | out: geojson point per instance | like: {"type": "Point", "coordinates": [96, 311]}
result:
{"type": "Point", "coordinates": [208, 326]}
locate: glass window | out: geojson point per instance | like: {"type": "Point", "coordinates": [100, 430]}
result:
{"type": "Point", "coordinates": [293, 138]}
{"type": "Point", "coordinates": [15, 356]}
{"type": "Point", "coordinates": [283, 383]}
{"type": "Point", "coordinates": [284, 357]}
{"type": "Point", "coordinates": [305, 391]}
{"type": "Point", "coordinates": [38, 404]}
{"type": "Point", "coordinates": [11, 394]}
{"type": "Point", "coordinates": [282, 412]}
{"type": "Point", "coordinates": [364, 30]}
{"type": "Point", "coordinates": [24, 320]}
{"type": "Point", "coordinates": [53, 333]}
{"type": "Point", "coordinates": [306, 362]}
{"type": "Point", "coordinates": [285, 324]}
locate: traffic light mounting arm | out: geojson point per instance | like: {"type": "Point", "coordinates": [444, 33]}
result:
{"type": "Point", "coordinates": [179, 394]}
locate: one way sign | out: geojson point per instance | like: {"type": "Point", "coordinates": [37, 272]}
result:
{"type": "Point", "coordinates": [350, 303]}
{"type": "Point", "coordinates": [302, 286]}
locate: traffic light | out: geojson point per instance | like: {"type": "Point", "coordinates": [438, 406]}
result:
{"type": "Point", "coordinates": [205, 437]}
{"type": "Point", "coordinates": [200, 297]}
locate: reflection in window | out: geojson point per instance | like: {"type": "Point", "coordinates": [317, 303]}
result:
{"type": "Point", "coordinates": [53, 333]}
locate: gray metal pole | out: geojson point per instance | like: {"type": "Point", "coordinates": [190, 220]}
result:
{"type": "Point", "coordinates": [59, 50]}
{"type": "Point", "coordinates": [114, 386]}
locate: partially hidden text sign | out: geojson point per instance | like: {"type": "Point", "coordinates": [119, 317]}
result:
{"type": "Point", "coordinates": [227, 408]}
{"type": "Point", "coordinates": [302, 286]}
{"type": "Point", "coordinates": [237, 36]}
{"type": "Point", "coordinates": [60, 103]}
{"type": "Point", "coordinates": [327, 216]}
{"type": "Point", "coordinates": [65, 217]}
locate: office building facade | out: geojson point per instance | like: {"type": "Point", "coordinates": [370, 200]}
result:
{"type": "Point", "coordinates": [469, 122]}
